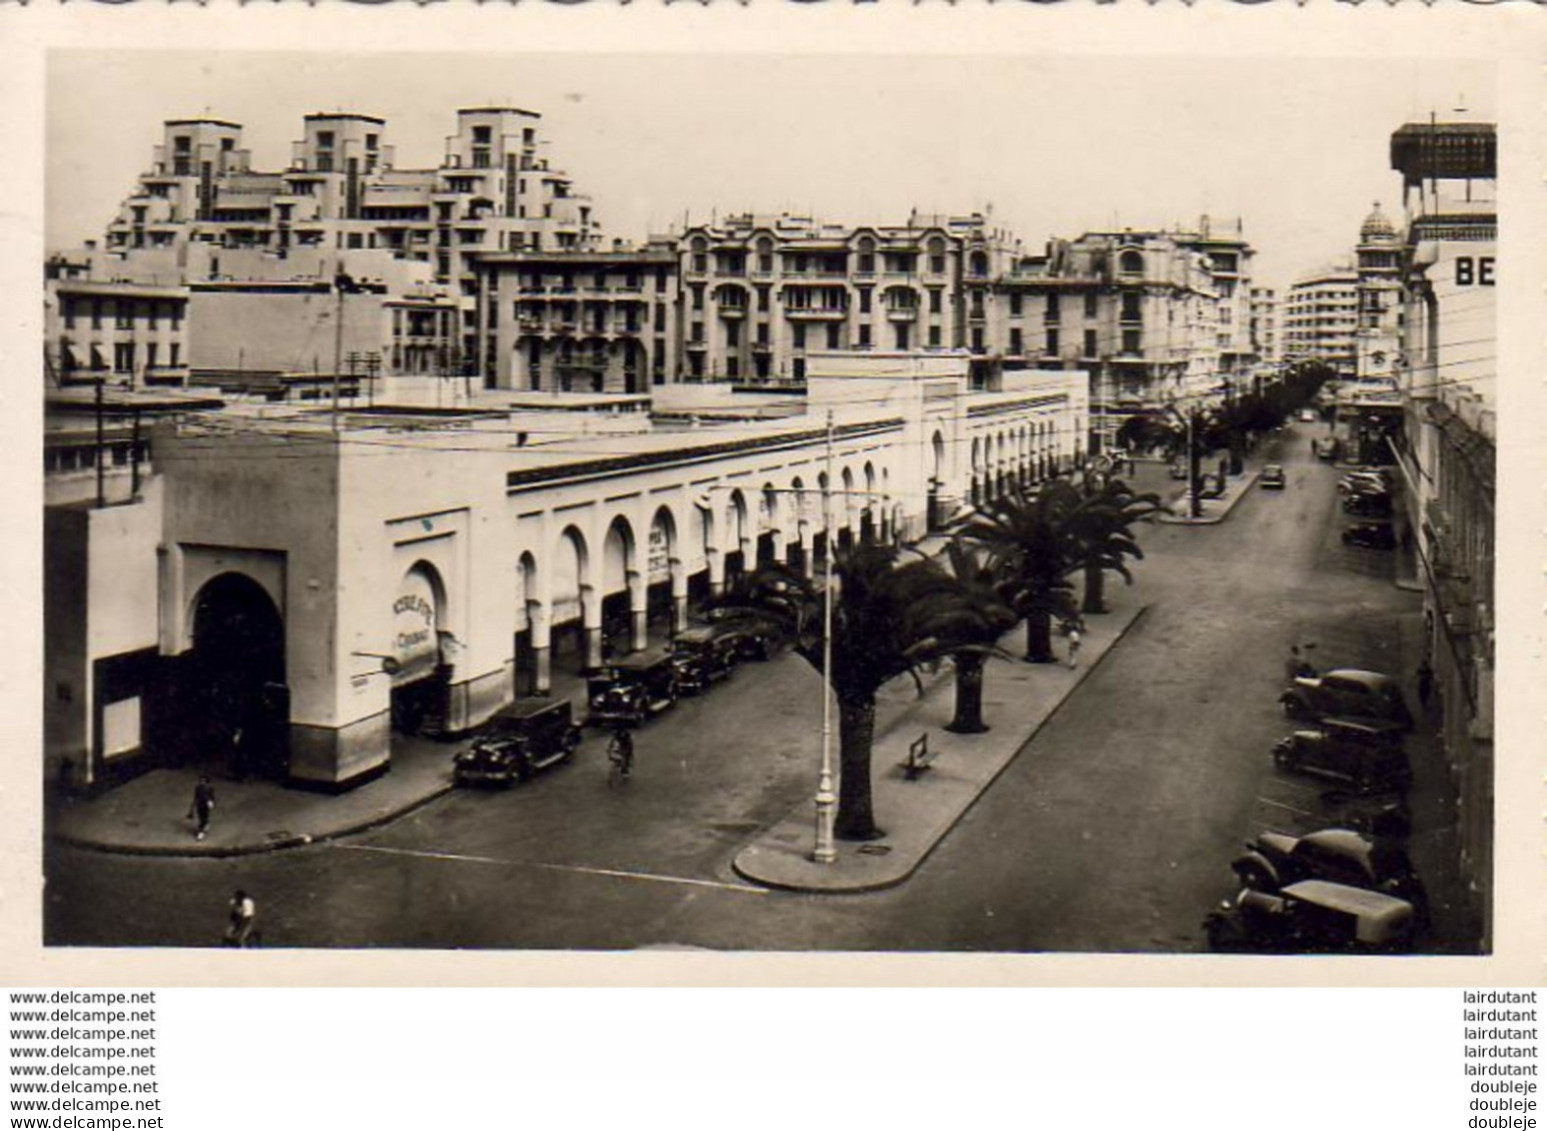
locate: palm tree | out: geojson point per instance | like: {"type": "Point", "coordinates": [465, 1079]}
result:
{"type": "Point", "coordinates": [975, 623]}
{"type": "Point", "coordinates": [1102, 530]}
{"type": "Point", "coordinates": [1032, 551]}
{"type": "Point", "coordinates": [888, 618]}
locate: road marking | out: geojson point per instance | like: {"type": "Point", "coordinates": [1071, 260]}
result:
{"type": "Point", "coordinates": [616, 872]}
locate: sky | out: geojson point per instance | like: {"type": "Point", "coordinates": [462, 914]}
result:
{"type": "Point", "coordinates": [1053, 146]}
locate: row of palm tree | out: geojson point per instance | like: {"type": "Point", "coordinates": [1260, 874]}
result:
{"type": "Point", "coordinates": [896, 611]}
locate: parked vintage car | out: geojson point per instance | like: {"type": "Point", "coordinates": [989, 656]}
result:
{"type": "Point", "coordinates": [1308, 416]}
{"type": "Point", "coordinates": [1326, 448]}
{"type": "Point", "coordinates": [1370, 536]}
{"type": "Point", "coordinates": [1376, 481]}
{"type": "Point", "coordinates": [755, 637]}
{"type": "Point", "coordinates": [1367, 504]}
{"type": "Point", "coordinates": [1275, 860]}
{"type": "Point", "coordinates": [1271, 478]}
{"type": "Point", "coordinates": [1346, 693]}
{"type": "Point", "coordinates": [523, 738]}
{"type": "Point", "coordinates": [1313, 916]}
{"type": "Point", "coordinates": [704, 655]}
{"type": "Point", "coordinates": [631, 691]}
{"type": "Point", "coordinates": [1368, 755]}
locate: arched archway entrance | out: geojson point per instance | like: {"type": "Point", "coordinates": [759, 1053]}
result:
{"type": "Point", "coordinates": [421, 679]}
{"type": "Point", "coordinates": [237, 705]}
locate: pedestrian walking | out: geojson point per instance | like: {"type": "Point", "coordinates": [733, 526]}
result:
{"type": "Point", "coordinates": [202, 807]}
{"type": "Point", "coordinates": [1425, 683]}
{"type": "Point", "coordinates": [1072, 637]}
{"type": "Point", "coordinates": [243, 916]}
{"type": "Point", "coordinates": [620, 753]}
{"type": "Point", "coordinates": [239, 754]}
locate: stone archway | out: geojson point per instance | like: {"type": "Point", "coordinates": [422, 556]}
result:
{"type": "Point", "coordinates": [233, 701]}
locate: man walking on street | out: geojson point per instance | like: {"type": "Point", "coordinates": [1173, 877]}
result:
{"type": "Point", "coordinates": [202, 807]}
{"type": "Point", "coordinates": [1072, 635]}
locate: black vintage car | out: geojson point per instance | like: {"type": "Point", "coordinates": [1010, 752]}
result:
{"type": "Point", "coordinates": [1343, 856]}
{"type": "Point", "coordinates": [527, 736]}
{"type": "Point", "coordinates": [754, 637]}
{"type": "Point", "coordinates": [1370, 535]}
{"type": "Point", "coordinates": [1313, 916]}
{"type": "Point", "coordinates": [1368, 755]}
{"type": "Point", "coordinates": [630, 691]}
{"type": "Point", "coordinates": [1367, 504]}
{"type": "Point", "coordinates": [704, 655]}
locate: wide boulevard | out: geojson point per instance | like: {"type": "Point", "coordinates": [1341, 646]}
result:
{"type": "Point", "coordinates": [1111, 831]}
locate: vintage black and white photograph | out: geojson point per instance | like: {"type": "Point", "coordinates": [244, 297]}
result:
{"type": "Point", "coordinates": [769, 502]}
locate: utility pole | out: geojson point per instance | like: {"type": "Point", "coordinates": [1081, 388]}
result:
{"type": "Point", "coordinates": [339, 279]}
{"type": "Point", "coordinates": [97, 455]}
{"type": "Point", "coordinates": [826, 801]}
{"type": "Point", "coordinates": [134, 457]}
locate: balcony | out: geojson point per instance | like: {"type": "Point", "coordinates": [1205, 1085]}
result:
{"type": "Point", "coordinates": [817, 313]}
{"type": "Point", "coordinates": [902, 313]}
{"type": "Point", "coordinates": [733, 312]}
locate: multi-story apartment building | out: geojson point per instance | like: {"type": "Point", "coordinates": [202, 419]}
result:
{"type": "Point", "coordinates": [126, 334]}
{"type": "Point", "coordinates": [343, 193]}
{"type": "Point", "coordinates": [1447, 447]}
{"type": "Point", "coordinates": [759, 292]}
{"type": "Point", "coordinates": [1321, 317]}
{"type": "Point", "coordinates": [1139, 310]}
{"type": "Point", "coordinates": [579, 321]}
{"type": "Point", "coordinates": [1264, 325]}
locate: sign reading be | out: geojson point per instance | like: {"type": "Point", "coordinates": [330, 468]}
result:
{"type": "Point", "coordinates": [1474, 272]}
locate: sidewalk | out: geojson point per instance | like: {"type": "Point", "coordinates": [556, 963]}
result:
{"type": "Point", "coordinates": [148, 816]}
{"type": "Point", "coordinates": [1018, 698]}
{"type": "Point", "coordinates": [1213, 510]}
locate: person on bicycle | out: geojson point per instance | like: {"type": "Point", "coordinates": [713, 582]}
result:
{"type": "Point", "coordinates": [621, 751]}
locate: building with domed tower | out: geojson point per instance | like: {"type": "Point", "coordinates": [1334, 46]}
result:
{"type": "Point", "coordinates": [1378, 337]}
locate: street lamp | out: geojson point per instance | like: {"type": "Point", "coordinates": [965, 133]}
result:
{"type": "Point", "coordinates": [825, 851]}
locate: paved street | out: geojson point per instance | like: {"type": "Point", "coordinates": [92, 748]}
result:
{"type": "Point", "coordinates": [1112, 830]}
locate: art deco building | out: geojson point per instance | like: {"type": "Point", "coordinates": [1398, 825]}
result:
{"type": "Point", "coordinates": [1321, 316]}
{"type": "Point", "coordinates": [1447, 447]}
{"type": "Point", "coordinates": [759, 292]}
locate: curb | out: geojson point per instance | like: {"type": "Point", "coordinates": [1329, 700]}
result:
{"type": "Point", "coordinates": [939, 832]}
{"type": "Point", "coordinates": [299, 840]}
{"type": "Point", "coordinates": [1247, 481]}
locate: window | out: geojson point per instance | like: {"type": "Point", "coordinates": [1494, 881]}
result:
{"type": "Point", "coordinates": [1050, 348]}
{"type": "Point", "coordinates": [864, 336]}
{"type": "Point", "coordinates": [900, 333]}
{"type": "Point", "coordinates": [1090, 304]}
{"type": "Point", "coordinates": [867, 263]}
{"type": "Point", "coordinates": [1130, 263]}
{"type": "Point", "coordinates": [660, 319]}
{"type": "Point", "coordinates": [175, 349]}
{"type": "Point", "coordinates": [150, 355]}
{"type": "Point", "coordinates": [123, 357]}
{"type": "Point", "coordinates": [762, 333]}
{"type": "Point", "coordinates": [733, 367]}
{"type": "Point", "coordinates": [482, 135]}
{"type": "Point", "coordinates": [977, 339]}
{"type": "Point", "coordinates": [1015, 340]}
{"type": "Point", "coordinates": [864, 300]}
{"type": "Point", "coordinates": [700, 261]}
{"type": "Point", "coordinates": [1090, 343]}
{"type": "Point", "coordinates": [698, 297]}
{"type": "Point", "coordinates": [935, 299]}
{"type": "Point", "coordinates": [937, 264]}
{"type": "Point", "coordinates": [832, 335]}
{"type": "Point", "coordinates": [798, 337]}
{"type": "Point", "coordinates": [934, 336]}
{"type": "Point", "coordinates": [1130, 311]}
{"type": "Point", "coordinates": [696, 335]}
{"type": "Point", "coordinates": [733, 334]}
{"type": "Point", "coordinates": [371, 141]}
{"type": "Point", "coordinates": [1015, 305]}
{"type": "Point", "coordinates": [1052, 311]}
{"type": "Point", "coordinates": [1132, 341]}
{"type": "Point", "coordinates": [762, 298]}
